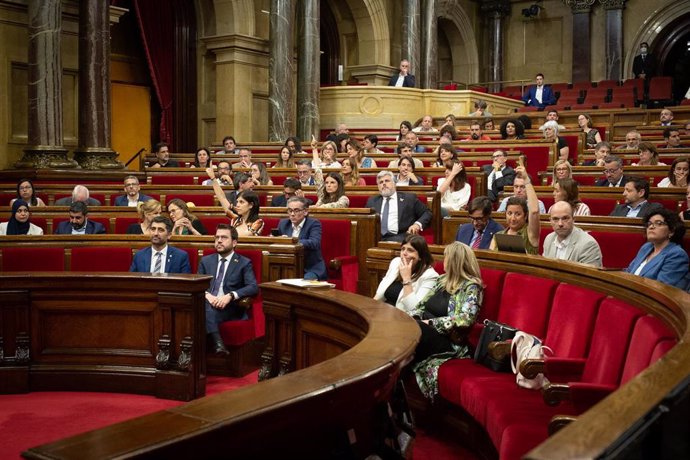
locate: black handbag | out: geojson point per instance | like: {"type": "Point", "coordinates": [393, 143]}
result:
{"type": "Point", "coordinates": [494, 332]}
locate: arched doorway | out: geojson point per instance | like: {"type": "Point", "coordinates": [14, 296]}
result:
{"type": "Point", "coordinates": [673, 51]}
{"type": "Point", "coordinates": [330, 45]}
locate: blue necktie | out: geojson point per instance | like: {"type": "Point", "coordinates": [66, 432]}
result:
{"type": "Point", "coordinates": [384, 216]}
{"type": "Point", "coordinates": [219, 279]}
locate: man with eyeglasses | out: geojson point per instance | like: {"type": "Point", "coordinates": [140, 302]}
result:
{"type": "Point", "coordinates": [636, 193]}
{"type": "Point", "coordinates": [613, 172]}
{"type": "Point", "coordinates": [479, 233]}
{"type": "Point", "coordinates": [568, 242]}
{"type": "Point", "coordinates": [132, 197]}
{"type": "Point", "coordinates": [291, 187]}
{"type": "Point", "coordinates": [308, 231]}
{"type": "Point", "coordinates": [499, 174]}
{"type": "Point", "coordinates": [222, 173]}
{"type": "Point", "coordinates": [304, 173]}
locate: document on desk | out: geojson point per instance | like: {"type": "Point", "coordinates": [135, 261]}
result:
{"type": "Point", "coordinates": [302, 283]}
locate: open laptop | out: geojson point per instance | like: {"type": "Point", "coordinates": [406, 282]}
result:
{"type": "Point", "coordinates": [510, 243]}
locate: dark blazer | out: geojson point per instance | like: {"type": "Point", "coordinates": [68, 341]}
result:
{"type": "Point", "coordinates": [408, 82]}
{"type": "Point", "coordinates": [466, 231]}
{"type": "Point", "coordinates": [621, 210]}
{"type": "Point", "coordinates": [499, 184]}
{"type": "Point", "coordinates": [547, 97]}
{"type": "Point", "coordinates": [67, 201]}
{"type": "Point", "coordinates": [177, 261]}
{"type": "Point", "coordinates": [122, 199]}
{"type": "Point", "coordinates": [170, 164]}
{"type": "Point", "coordinates": [279, 201]}
{"type": "Point", "coordinates": [670, 266]}
{"type": "Point", "coordinates": [604, 182]}
{"type": "Point", "coordinates": [310, 238]}
{"type": "Point", "coordinates": [92, 228]}
{"type": "Point", "coordinates": [646, 66]}
{"type": "Point", "coordinates": [410, 210]}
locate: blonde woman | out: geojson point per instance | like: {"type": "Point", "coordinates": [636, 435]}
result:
{"type": "Point", "coordinates": [327, 156]}
{"type": "Point", "coordinates": [562, 170]}
{"type": "Point", "coordinates": [147, 211]}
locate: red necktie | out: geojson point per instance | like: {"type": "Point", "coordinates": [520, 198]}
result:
{"type": "Point", "coordinates": [477, 240]}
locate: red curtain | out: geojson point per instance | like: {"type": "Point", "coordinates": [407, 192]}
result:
{"type": "Point", "coordinates": [156, 23]}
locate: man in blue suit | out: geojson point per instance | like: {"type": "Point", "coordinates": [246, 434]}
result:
{"type": "Point", "coordinates": [308, 231]}
{"type": "Point", "coordinates": [233, 279]}
{"type": "Point", "coordinates": [78, 223]}
{"type": "Point", "coordinates": [539, 95]}
{"type": "Point", "coordinates": [160, 257]}
{"type": "Point", "coordinates": [132, 197]}
{"type": "Point", "coordinates": [480, 232]}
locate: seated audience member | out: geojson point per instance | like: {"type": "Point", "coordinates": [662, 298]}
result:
{"type": "Point", "coordinates": [285, 159]}
{"type": "Point", "coordinates": [454, 189]}
{"type": "Point", "coordinates": [341, 129]}
{"type": "Point", "coordinates": [403, 79]}
{"type": "Point", "coordinates": [27, 194]}
{"type": "Point", "coordinates": [331, 189]}
{"type": "Point", "coordinates": [341, 141]}
{"type": "Point", "coordinates": [601, 151]}
{"type": "Point", "coordinates": [79, 194]}
{"type": "Point", "coordinates": [613, 170]}
{"type": "Point", "coordinates": [552, 115]}
{"type": "Point", "coordinates": [350, 172]}
{"type": "Point", "coordinates": [221, 172]}
{"type": "Point", "coordinates": [241, 182]}
{"type": "Point", "coordinates": [480, 110]}
{"type": "Point", "coordinates": [147, 211]}
{"type": "Point", "coordinates": [405, 150]}
{"type": "Point", "coordinates": [412, 140]}
{"type": "Point", "coordinates": [426, 127]}
{"type": "Point", "coordinates": [568, 242]}
{"type": "Point", "coordinates": [489, 124]}
{"type": "Point", "coordinates": [400, 213]}
{"type": "Point", "coordinates": [410, 277]}
{"type": "Point", "coordinates": [447, 135]}
{"type": "Point", "coordinates": [245, 157]}
{"type": "Point", "coordinates": [685, 215]}
{"type": "Point", "coordinates": [476, 133]}
{"type": "Point", "coordinates": [304, 173]}
{"type": "Point", "coordinates": [567, 190]}
{"type": "Point", "coordinates": [449, 121]}
{"type": "Point", "coordinates": [369, 145]}
{"type": "Point", "coordinates": [446, 315]}
{"type": "Point", "coordinates": [666, 117]}
{"type": "Point", "coordinates": [259, 174]}
{"type": "Point", "coordinates": [672, 138]}
{"type": "Point", "coordinates": [632, 140]}
{"type": "Point", "coordinates": [445, 152]}
{"type": "Point", "coordinates": [202, 158]}
{"type": "Point", "coordinates": [636, 194]}
{"type": "Point", "coordinates": [355, 152]}
{"type": "Point", "coordinates": [520, 191]}
{"type": "Point", "coordinates": [405, 127]}
{"type": "Point", "coordinates": [78, 223]}
{"type": "Point", "coordinates": [649, 156]}
{"type": "Point", "coordinates": [295, 146]}
{"type": "Point", "coordinates": [522, 216]}
{"type": "Point", "coordinates": [132, 197]}
{"type": "Point", "coordinates": [229, 145]}
{"type": "Point", "coordinates": [526, 121]}
{"type": "Point", "coordinates": [184, 222]}
{"type": "Point", "coordinates": [290, 188]}
{"type": "Point", "coordinates": [551, 134]}
{"type": "Point", "coordinates": [562, 170]}
{"type": "Point", "coordinates": [512, 129]}
{"type": "Point", "coordinates": [308, 231]}
{"type": "Point", "coordinates": [162, 152]}
{"type": "Point", "coordinates": [160, 257]}
{"type": "Point", "coordinates": [662, 257]}
{"type": "Point", "coordinates": [539, 95]}
{"type": "Point", "coordinates": [499, 174]}
{"type": "Point", "coordinates": [677, 174]}
{"type": "Point", "coordinates": [327, 156]}
{"type": "Point", "coordinates": [20, 221]}
{"type": "Point", "coordinates": [406, 173]}
{"type": "Point", "coordinates": [233, 279]}
{"type": "Point", "coordinates": [480, 232]}
{"type": "Point", "coordinates": [592, 136]}
{"type": "Point", "coordinates": [243, 213]}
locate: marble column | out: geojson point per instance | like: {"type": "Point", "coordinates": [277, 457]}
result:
{"type": "Point", "coordinates": [582, 57]}
{"type": "Point", "coordinates": [309, 70]}
{"type": "Point", "coordinates": [495, 11]}
{"type": "Point", "coordinates": [429, 71]}
{"type": "Point", "coordinates": [411, 36]}
{"type": "Point", "coordinates": [614, 38]}
{"type": "Point", "coordinates": [94, 150]}
{"type": "Point", "coordinates": [280, 71]}
{"type": "Point", "coordinates": [45, 149]}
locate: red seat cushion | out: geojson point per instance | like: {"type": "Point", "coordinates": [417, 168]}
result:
{"type": "Point", "coordinates": [358, 201]}
{"type": "Point", "coordinates": [171, 179]}
{"type": "Point", "coordinates": [33, 259]}
{"type": "Point", "coordinates": [618, 249]}
{"type": "Point", "coordinates": [123, 223]}
{"type": "Point", "coordinates": [528, 313]}
{"type": "Point", "coordinates": [101, 259]}
{"type": "Point", "coordinates": [648, 332]}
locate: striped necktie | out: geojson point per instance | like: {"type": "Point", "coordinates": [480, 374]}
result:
{"type": "Point", "coordinates": [477, 240]}
{"type": "Point", "coordinates": [159, 262]}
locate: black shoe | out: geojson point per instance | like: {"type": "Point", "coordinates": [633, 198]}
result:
{"type": "Point", "coordinates": [219, 348]}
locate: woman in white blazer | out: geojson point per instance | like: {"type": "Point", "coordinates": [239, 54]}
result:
{"type": "Point", "coordinates": [410, 277]}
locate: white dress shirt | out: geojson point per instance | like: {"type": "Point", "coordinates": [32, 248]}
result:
{"type": "Point", "coordinates": [164, 257]}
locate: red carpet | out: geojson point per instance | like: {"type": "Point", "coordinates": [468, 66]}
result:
{"type": "Point", "coordinates": [32, 419]}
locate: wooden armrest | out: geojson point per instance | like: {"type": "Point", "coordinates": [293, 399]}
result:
{"type": "Point", "coordinates": [560, 421]}
{"type": "Point", "coordinates": [499, 350]}
{"type": "Point", "coordinates": [555, 393]}
{"type": "Point", "coordinates": [337, 262]}
{"type": "Point", "coordinates": [530, 368]}
{"type": "Point", "coordinates": [245, 302]}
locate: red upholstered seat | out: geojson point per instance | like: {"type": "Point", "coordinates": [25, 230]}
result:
{"type": "Point", "coordinates": [369, 179]}
{"type": "Point", "coordinates": [41, 222]}
{"type": "Point", "coordinates": [528, 313]}
{"type": "Point", "coordinates": [101, 259]}
{"type": "Point", "coordinates": [199, 199]}
{"type": "Point", "coordinates": [172, 179]}
{"type": "Point", "coordinates": [27, 259]}
{"type": "Point", "coordinates": [211, 223]}
{"type": "Point", "coordinates": [193, 258]}
{"type": "Point", "coordinates": [358, 201]}
{"type": "Point", "coordinates": [618, 249]}
{"type": "Point", "coordinates": [601, 206]}
{"type": "Point", "coordinates": [123, 223]}
{"type": "Point", "coordinates": [649, 332]}
{"type": "Point", "coordinates": [336, 241]}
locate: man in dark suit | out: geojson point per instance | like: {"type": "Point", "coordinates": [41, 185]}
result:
{"type": "Point", "coordinates": [160, 257]}
{"type": "Point", "coordinates": [162, 153]}
{"type": "Point", "coordinates": [308, 231]}
{"type": "Point", "coordinates": [480, 232]}
{"type": "Point", "coordinates": [401, 213]}
{"type": "Point", "coordinates": [498, 174]}
{"type": "Point", "coordinates": [78, 223]}
{"type": "Point", "coordinates": [613, 170]}
{"type": "Point", "coordinates": [290, 187]}
{"type": "Point", "coordinates": [403, 79]}
{"type": "Point", "coordinates": [539, 95]}
{"type": "Point", "coordinates": [233, 279]}
{"type": "Point", "coordinates": [79, 193]}
{"type": "Point", "coordinates": [636, 193]}
{"type": "Point", "coordinates": [132, 197]}
{"type": "Point", "coordinates": [644, 64]}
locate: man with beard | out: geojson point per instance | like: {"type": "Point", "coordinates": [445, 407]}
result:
{"type": "Point", "coordinates": [476, 133]}
{"type": "Point", "coordinates": [78, 223]}
{"type": "Point", "coordinates": [160, 257]}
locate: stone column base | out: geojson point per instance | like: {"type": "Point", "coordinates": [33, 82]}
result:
{"type": "Point", "coordinates": [45, 157]}
{"type": "Point", "coordinates": [97, 158]}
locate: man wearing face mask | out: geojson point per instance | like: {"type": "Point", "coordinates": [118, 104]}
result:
{"type": "Point", "coordinates": [644, 64]}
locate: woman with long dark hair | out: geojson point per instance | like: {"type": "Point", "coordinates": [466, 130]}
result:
{"type": "Point", "coordinates": [27, 193]}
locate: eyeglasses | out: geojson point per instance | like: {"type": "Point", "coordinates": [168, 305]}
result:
{"type": "Point", "coordinates": [295, 210]}
{"type": "Point", "coordinates": [611, 171]}
{"type": "Point", "coordinates": [25, 187]}
{"type": "Point", "coordinates": [656, 223]}
{"type": "Point", "coordinates": [478, 219]}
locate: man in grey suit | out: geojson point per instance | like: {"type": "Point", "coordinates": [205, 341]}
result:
{"type": "Point", "coordinates": [636, 193]}
{"type": "Point", "coordinates": [568, 242]}
{"type": "Point", "coordinates": [79, 193]}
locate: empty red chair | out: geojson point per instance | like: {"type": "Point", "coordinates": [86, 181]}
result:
{"type": "Point", "coordinates": [608, 84]}
{"type": "Point", "coordinates": [101, 259]}
{"type": "Point", "coordinates": [661, 89]}
{"type": "Point", "coordinates": [32, 259]}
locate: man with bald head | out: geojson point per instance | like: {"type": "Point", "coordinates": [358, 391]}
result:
{"type": "Point", "coordinates": [568, 242]}
{"type": "Point", "coordinates": [79, 193]}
